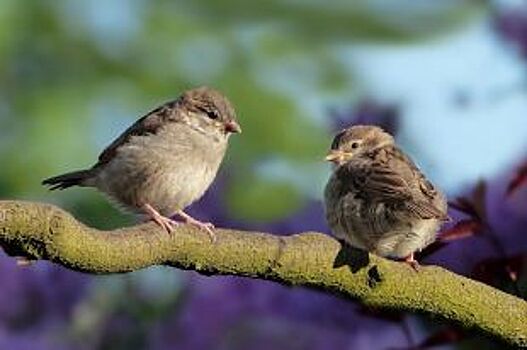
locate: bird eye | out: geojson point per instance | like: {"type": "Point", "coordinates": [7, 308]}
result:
{"type": "Point", "coordinates": [212, 114]}
{"type": "Point", "coordinates": [355, 145]}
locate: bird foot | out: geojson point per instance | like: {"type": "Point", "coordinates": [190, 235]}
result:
{"type": "Point", "coordinates": [410, 260]}
{"type": "Point", "coordinates": [166, 223]}
{"type": "Point", "coordinates": [206, 226]}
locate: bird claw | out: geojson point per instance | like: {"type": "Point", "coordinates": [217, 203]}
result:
{"type": "Point", "coordinates": [166, 223]}
{"type": "Point", "coordinates": [414, 264]}
{"type": "Point", "coordinates": [206, 226]}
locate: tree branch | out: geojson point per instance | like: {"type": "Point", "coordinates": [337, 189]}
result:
{"type": "Point", "coordinates": [41, 231]}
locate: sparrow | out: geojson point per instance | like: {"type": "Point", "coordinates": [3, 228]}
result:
{"type": "Point", "coordinates": [377, 199]}
{"type": "Point", "coordinates": [165, 161]}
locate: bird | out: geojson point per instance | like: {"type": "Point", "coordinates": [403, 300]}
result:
{"type": "Point", "coordinates": [165, 161]}
{"type": "Point", "coordinates": [377, 199]}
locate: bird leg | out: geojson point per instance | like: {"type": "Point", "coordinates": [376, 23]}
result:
{"type": "Point", "coordinates": [166, 223]}
{"type": "Point", "coordinates": [207, 226]}
{"type": "Point", "coordinates": [410, 260]}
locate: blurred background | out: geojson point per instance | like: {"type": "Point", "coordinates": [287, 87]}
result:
{"type": "Point", "coordinates": [448, 78]}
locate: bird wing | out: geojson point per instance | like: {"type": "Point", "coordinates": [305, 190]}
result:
{"type": "Point", "coordinates": [148, 124]}
{"type": "Point", "coordinates": [396, 184]}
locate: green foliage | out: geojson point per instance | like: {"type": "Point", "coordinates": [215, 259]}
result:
{"type": "Point", "coordinates": [276, 198]}
{"type": "Point", "coordinates": [71, 69]}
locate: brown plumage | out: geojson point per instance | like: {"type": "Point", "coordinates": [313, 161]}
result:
{"type": "Point", "coordinates": [165, 160]}
{"type": "Point", "coordinates": [377, 199]}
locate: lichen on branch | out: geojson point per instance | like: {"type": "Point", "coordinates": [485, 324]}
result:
{"type": "Point", "coordinates": [42, 231]}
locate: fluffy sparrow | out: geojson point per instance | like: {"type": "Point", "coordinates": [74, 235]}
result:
{"type": "Point", "coordinates": [165, 161]}
{"type": "Point", "coordinates": [377, 199]}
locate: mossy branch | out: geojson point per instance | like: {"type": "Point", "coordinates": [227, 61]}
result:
{"type": "Point", "coordinates": [41, 231]}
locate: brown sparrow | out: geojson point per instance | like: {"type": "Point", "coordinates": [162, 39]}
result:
{"type": "Point", "coordinates": [377, 199]}
{"type": "Point", "coordinates": [166, 160]}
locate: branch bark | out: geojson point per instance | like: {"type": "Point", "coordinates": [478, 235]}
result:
{"type": "Point", "coordinates": [42, 231]}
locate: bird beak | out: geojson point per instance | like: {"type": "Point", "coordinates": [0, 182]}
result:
{"type": "Point", "coordinates": [232, 127]}
{"type": "Point", "coordinates": [335, 156]}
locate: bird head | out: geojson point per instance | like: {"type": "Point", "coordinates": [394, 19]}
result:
{"type": "Point", "coordinates": [210, 112]}
{"type": "Point", "coordinates": [357, 140]}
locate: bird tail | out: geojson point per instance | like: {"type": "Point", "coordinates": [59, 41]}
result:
{"type": "Point", "coordinates": [75, 178]}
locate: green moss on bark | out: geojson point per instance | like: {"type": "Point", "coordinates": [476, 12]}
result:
{"type": "Point", "coordinates": [41, 231]}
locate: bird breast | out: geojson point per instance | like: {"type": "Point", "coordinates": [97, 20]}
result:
{"type": "Point", "coordinates": [168, 170]}
{"type": "Point", "coordinates": [371, 225]}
